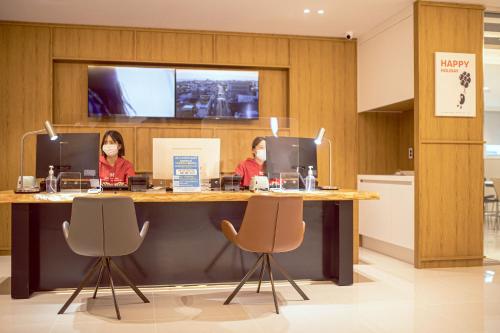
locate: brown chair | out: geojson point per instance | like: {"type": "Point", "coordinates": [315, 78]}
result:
{"type": "Point", "coordinates": [271, 224]}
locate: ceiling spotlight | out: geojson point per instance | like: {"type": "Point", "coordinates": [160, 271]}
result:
{"type": "Point", "coordinates": [307, 11]}
{"type": "Point", "coordinates": [321, 12]}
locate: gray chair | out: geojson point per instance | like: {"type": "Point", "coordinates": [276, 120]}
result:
{"type": "Point", "coordinates": [104, 228]}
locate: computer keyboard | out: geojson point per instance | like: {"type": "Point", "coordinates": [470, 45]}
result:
{"type": "Point", "coordinates": [114, 187]}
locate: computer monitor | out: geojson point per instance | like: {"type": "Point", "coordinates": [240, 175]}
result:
{"type": "Point", "coordinates": [71, 152]}
{"type": "Point", "coordinates": [289, 154]}
{"type": "Point", "coordinates": [164, 149]}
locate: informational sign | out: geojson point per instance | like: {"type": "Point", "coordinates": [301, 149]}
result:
{"type": "Point", "coordinates": [186, 177]}
{"type": "Point", "coordinates": [455, 84]}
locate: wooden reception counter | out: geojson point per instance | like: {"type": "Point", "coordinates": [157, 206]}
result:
{"type": "Point", "coordinates": [162, 196]}
{"type": "Point", "coordinates": [184, 244]}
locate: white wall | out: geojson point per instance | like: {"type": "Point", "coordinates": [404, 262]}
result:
{"type": "Point", "coordinates": [492, 168]}
{"type": "Point", "coordinates": [385, 63]}
{"type": "Point", "coordinates": [492, 128]}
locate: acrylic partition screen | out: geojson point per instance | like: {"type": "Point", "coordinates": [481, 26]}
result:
{"type": "Point", "coordinates": [491, 58]}
{"type": "Point", "coordinates": [283, 152]}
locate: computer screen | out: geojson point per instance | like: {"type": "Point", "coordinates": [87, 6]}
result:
{"type": "Point", "coordinates": [164, 149]}
{"type": "Point", "coordinates": [115, 91]}
{"type": "Point", "coordinates": [75, 152]}
{"type": "Point", "coordinates": [289, 154]}
{"type": "Point", "coordinates": [216, 94]}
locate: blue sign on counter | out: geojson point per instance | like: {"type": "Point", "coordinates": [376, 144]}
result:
{"type": "Point", "coordinates": [186, 176]}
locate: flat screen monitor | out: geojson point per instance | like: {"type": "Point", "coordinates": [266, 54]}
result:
{"type": "Point", "coordinates": [71, 152]}
{"type": "Point", "coordinates": [217, 94]}
{"type": "Point", "coordinates": [164, 149]}
{"type": "Point", "coordinates": [115, 91]}
{"type": "Point", "coordinates": [289, 154]}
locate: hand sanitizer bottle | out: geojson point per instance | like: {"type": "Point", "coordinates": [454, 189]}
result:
{"type": "Point", "coordinates": [310, 180]}
{"type": "Point", "coordinates": [51, 181]}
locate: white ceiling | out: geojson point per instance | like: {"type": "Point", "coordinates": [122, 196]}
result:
{"type": "Point", "coordinates": [263, 16]}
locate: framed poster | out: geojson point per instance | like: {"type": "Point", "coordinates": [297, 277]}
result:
{"type": "Point", "coordinates": [455, 84]}
{"type": "Point", "coordinates": [186, 177]}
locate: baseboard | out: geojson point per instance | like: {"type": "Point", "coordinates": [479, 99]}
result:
{"type": "Point", "coordinates": [5, 252]}
{"type": "Point", "coordinates": [391, 250]}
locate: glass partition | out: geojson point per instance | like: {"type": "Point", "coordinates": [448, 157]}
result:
{"type": "Point", "coordinates": [491, 133]}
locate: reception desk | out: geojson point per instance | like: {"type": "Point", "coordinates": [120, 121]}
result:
{"type": "Point", "coordinates": [184, 244]}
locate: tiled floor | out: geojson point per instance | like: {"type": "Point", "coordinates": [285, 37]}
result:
{"type": "Point", "coordinates": [389, 296]}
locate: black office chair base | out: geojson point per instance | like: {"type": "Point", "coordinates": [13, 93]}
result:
{"type": "Point", "coordinates": [103, 263]}
{"type": "Point", "coordinates": [266, 259]}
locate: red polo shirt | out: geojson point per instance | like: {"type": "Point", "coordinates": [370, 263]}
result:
{"type": "Point", "coordinates": [247, 169]}
{"type": "Point", "coordinates": [117, 173]}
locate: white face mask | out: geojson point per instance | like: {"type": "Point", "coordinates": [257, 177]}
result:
{"type": "Point", "coordinates": [110, 150]}
{"type": "Point", "coordinates": [261, 154]}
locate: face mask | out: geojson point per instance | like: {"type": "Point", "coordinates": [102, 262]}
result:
{"type": "Point", "coordinates": [261, 154]}
{"type": "Point", "coordinates": [110, 150]}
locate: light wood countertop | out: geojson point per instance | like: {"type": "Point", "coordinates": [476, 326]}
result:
{"type": "Point", "coordinates": [162, 196]}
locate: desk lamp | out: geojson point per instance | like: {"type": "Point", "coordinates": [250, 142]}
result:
{"type": "Point", "coordinates": [53, 136]}
{"type": "Point", "coordinates": [274, 126]}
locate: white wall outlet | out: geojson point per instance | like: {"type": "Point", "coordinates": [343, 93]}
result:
{"type": "Point", "coordinates": [410, 153]}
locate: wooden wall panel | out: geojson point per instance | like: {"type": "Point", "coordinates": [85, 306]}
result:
{"type": "Point", "coordinates": [449, 162]}
{"type": "Point", "coordinates": [70, 93]}
{"type": "Point", "coordinates": [379, 142]}
{"type": "Point", "coordinates": [446, 39]}
{"type": "Point", "coordinates": [5, 231]}
{"type": "Point", "coordinates": [25, 91]}
{"type": "Point", "coordinates": [174, 47]}
{"type": "Point", "coordinates": [251, 50]}
{"type": "Point", "coordinates": [384, 139]}
{"type": "Point", "coordinates": [450, 202]}
{"type": "Point", "coordinates": [98, 44]}
{"type": "Point", "coordinates": [323, 94]}
{"type": "Point", "coordinates": [406, 140]}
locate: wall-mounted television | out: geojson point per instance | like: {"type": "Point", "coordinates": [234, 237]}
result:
{"type": "Point", "coordinates": [131, 91]}
{"type": "Point", "coordinates": [216, 94]}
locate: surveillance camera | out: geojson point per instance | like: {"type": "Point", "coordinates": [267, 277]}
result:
{"type": "Point", "coordinates": [349, 35]}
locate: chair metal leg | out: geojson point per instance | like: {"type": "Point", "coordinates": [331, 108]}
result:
{"type": "Point", "coordinates": [263, 268]}
{"type": "Point", "coordinates": [270, 272]}
{"type": "Point", "coordinates": [101, 270]}
{"type": "Point", "coordinates": [108, 268]}
{"type": "Point", "coordinates": [127, 280]}
{"type": "Point", "coordinates": [82, 284]}
{"type": "Point", "coordinates": [245, 279]}
{"type": "Point", "coordinates": [284, 272]}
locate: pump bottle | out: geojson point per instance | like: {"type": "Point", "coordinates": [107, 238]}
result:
{"type": "Point", "coordinates": [51, 181]}
{"type": "Point", "coordinates": [310, 180]}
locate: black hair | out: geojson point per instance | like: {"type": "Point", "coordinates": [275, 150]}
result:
{"type": "Point", "coordinates": [117, 137]}
{"type": "Point", "coordinates": [256, 141]}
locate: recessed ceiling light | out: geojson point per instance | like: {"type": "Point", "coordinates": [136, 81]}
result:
{"type": "Point", "coordinates": [321, 12]}
{"type": "Point", "coordinates": [307, 11]}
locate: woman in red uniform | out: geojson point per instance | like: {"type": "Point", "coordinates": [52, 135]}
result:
{"type": "Point", "coordinates": [253, 166]}
{"type": "Point", "coordinates": [113, 168]}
